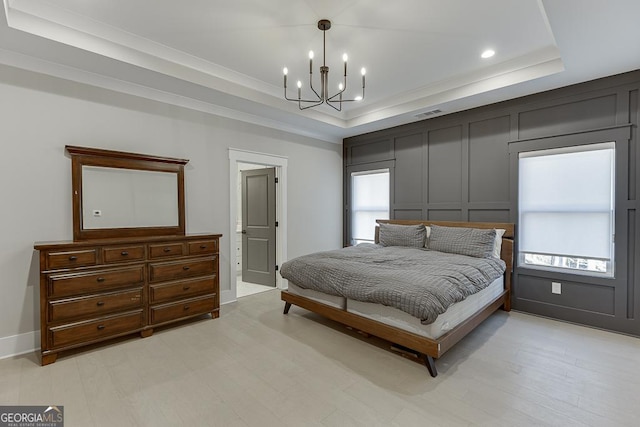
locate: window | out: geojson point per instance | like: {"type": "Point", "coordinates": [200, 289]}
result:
{"type": "Point", "coordinates": [369, 201]}
{"type": "Point", "coordinates": [566, 209]}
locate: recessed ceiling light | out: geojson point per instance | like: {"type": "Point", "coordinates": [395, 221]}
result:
{"type": "Point", "coordinates": [488, 53]}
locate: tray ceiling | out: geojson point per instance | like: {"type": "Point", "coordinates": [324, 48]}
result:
{"type": "Point", "coordinates": [227, 57]}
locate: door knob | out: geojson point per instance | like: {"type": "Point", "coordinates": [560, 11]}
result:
{"type": "Point", "coordinates": [244, 231]}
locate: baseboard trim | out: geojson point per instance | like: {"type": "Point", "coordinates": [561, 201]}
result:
{"type": "Point", "coordinates": [16, 345]}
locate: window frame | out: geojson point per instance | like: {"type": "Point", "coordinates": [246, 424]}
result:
{"type": "Point", "coordinates": [363, 168]}
{"type": "Point", "coordinates": [559, 258]}
{"type": "Point", "coordinates": [621, 135]}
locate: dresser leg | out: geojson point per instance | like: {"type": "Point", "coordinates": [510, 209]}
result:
{"type": "Point", "coordinates": [48, 359]}
{"type": "Point", "coordinates": [146, 333]}
{"type": "Point", "coordinates": [215, 314]}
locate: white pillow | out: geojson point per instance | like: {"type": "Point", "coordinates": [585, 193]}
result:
{"type": "Point", "coordinates": [426, 240]}
{"type": "Point", "coordinates": [497, 245]}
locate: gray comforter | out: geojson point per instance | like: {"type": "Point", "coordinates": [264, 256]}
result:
{"type": "Point", "coordinates": [420, 282]}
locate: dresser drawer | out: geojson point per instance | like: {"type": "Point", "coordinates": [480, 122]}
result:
{"type": "Point", "coordinates": [94, 306]}
{"type": "Point", "coordinates": [123, 254]}
{"type": "Point", "coordinates": [165, 271]}
{"type": "Point", "coordinates": [183, 309]}
{"type": "Point", "coordinates": [84, 332]}
{"type": "Point", "coordinates": [164, 250]}
{"type": "Point", "coordinates": [178, 290]}
{"type": "Point", "coordinates": [204, 247]}
{"type": "Point", "coordinates": [71, 259]}
{"type": "Point", "coordinates": [62, 285]}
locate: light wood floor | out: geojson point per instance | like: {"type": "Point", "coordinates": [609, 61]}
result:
{"type": "Point", "coordinates": [257, 367]}
{"type": "Point", "coordinates": [244, 289]}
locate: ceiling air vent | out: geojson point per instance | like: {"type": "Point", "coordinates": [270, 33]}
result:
{"type": "Point", "coordinates": [429, 113]}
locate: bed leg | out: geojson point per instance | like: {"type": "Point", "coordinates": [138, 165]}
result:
{"type": "Point", "coordinates": [507, 303]}
{"type": "Point", "coordinates": [431, 365]}
{"type": "Point", "coordinates": [287, 306]}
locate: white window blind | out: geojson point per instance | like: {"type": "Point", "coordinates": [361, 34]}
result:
{"type": "Point", "coordinates": [369, 201]}
{"type": "Point", "coordinates": [566, 201]}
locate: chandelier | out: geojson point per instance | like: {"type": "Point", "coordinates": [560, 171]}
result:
{"type": "Point", "coordinates": [322, 96]}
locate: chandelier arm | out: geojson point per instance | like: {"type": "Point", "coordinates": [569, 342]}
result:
{"type": "Point", "coordinates": [313, 89]}
{"type": "Point", "coordinates": [285, 90]}
{"type": "Point", "coordinates": [342, 100]}
{"type": "Point", "coordinates": [309, 106]}
{"type": "Point", "coordinates": [311, 79]}
{"type": "Point", "coordinates": [337, 94]}
{"type": "Point", "coordinates": [345, 100]}
{"type": "Point", "coordinates": [286, 97]}
{"type": "Point", "coordinates": [320, 101]}
{"type": "Point", "coordinates": [299, 99]}
{"type": "Point", "coordinates": [330, 104]}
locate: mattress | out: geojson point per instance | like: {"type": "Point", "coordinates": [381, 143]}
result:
{"type": "Point", "coordinates": [446, 321]}
{"type": "Point", "coordinates": [423, 283]}
{"type": "Point", "coordinates": [332, 300]}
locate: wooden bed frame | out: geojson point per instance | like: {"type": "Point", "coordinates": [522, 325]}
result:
{"type": "Point", "coordinates": [429, 348]}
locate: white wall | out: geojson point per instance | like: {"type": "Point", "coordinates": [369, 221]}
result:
{"type": "Point", "coordinates": [41, 114]}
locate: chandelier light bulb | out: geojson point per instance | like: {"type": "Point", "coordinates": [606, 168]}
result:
{"type": "Point", "coordinates": [364, 71]}
{"type": "Point", "coordinates": [358, 98]}
{"type": "Point", "coordinates": [285, 71]}
{"type": "Point", "coordinates": [299, 84]}
{"type": "Point", "coordinates": [344, 57]}
{"type": "Point", "coordinates": [340, 86]}
{"type": "Point", "coordinates": [310, 54]}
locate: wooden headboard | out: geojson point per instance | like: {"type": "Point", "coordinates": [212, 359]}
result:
{"type": "Point", "coordinates": [506, 253]}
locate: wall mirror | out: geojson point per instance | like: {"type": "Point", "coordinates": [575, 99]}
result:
{"type": "Point", "coordinates": [120, 194]}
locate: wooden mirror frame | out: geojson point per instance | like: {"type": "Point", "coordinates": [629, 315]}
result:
{"type": "Point", "coordinates": [84, 156]}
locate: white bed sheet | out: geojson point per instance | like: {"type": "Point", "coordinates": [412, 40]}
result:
{"type": "Point", "coordinates": [451, 318]}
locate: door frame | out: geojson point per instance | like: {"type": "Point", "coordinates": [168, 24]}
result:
{"type": "Point", "coordinates": [268, 160]}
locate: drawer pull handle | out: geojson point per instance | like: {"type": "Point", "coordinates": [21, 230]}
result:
{"type": "Point", "coordinates": [100, 279]}
{"type": "Point", "coordinates": [186, 307]}
{"type": "Point", "coordinates": [73, 258]}
{"type": "Point", "coordinates": [124, 253]}
{"type": "Point", "coordinates": [100, 303]}
{"type": "Point", "coordinates": [186, 288]}
{"type": "Point", "coordinates": [185, 268]}
{"type": "Point", "coordinates": [167, 249]}
{"type": "Point", "coordinates": [203, 246]}
{"type": "Point", "coordinates": [100, 327]}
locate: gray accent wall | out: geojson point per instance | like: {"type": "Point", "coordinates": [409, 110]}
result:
{"type": "Point", "coordinates": [463, 167]}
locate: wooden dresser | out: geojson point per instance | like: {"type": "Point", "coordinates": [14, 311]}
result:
{"type": "Point", "coordinates": [100, 289]}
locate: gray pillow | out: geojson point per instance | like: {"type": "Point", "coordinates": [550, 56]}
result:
{"type": "Point", "coordinates": [402, 235]}
{"type": "Point", "coordinates": [464, 241]}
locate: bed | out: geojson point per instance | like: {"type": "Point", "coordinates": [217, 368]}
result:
{"type": "Point", "coordinates": [425, 334]}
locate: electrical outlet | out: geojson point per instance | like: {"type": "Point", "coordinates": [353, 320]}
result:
{"type": "Point", "coordinates": [556, 288]}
